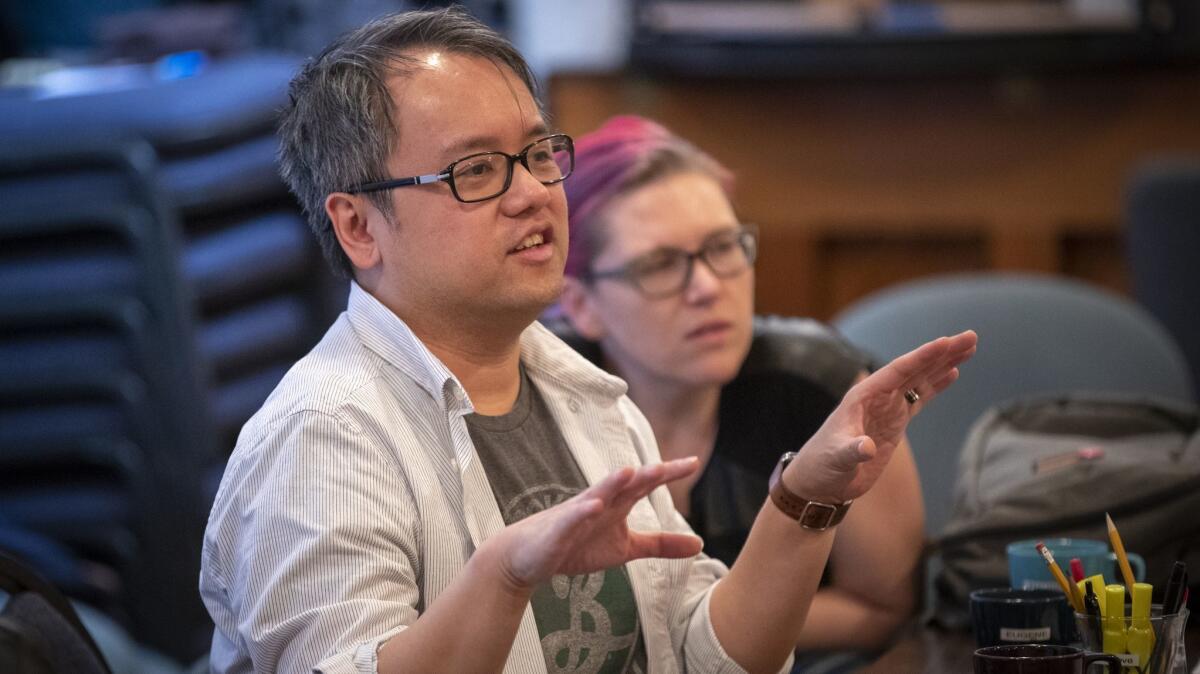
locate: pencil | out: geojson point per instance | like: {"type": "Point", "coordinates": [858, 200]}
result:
{"type": "Point", "coordinates": [1072, 592]}
{"type": "Point", "coordinates": [1119, 548]}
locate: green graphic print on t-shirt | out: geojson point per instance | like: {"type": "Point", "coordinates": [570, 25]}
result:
{"type": "Point", "coordinates": [588, 623]}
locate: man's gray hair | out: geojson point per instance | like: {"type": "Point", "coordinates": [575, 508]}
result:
{"type": "Point", "coordinates": [339, 128]}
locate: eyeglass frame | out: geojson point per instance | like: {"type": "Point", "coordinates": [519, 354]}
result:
{"type": "Point", "coordinates": [447, 174]}
{"type": "Point", "coordinates": [624, 271]}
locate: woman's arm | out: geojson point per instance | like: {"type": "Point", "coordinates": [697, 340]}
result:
{"type": "Point", "coordinates": [759, 609]}
{"type": "Point", "coordinates": [873, 563]}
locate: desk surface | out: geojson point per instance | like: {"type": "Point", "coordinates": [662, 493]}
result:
{"type": "Point", "coordinates": [934, 651]}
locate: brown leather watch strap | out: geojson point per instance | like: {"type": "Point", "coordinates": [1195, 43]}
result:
{"type": "Point", "coordinates": [810, 514]}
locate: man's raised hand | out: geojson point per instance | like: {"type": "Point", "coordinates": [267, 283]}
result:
{"type": "Point", "coordinates": [848, 453]}
{"type": "Point", "coordinates": [588, 532]}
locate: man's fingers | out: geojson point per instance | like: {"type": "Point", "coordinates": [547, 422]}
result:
{"type": "Point", "coordinates": [857, 451]}
{"type": "Point", "coordinates": [575, 513]}
{"type": "Point", "coordinates": [959, 349]}
{"type": "Point", "coordinates": [938, 378]}
{"type": "Point", "coordinates": [608, 488]}
{"type": "Point", "coordinates": [910, 365]}
{"type": "Point", "coordinates": [662, 544]}
{"type": "Point", "coordinates": [916, 365]}
{"type": "Point", "coordinates": [947, 379]}
{"type": "Point", "coordinates": [649, 478]}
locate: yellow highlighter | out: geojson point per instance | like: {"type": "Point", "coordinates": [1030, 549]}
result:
{"type": "Point", "coordinates": [1114, 619]}
{"type": "Point", "coordinates": [1139, 638]}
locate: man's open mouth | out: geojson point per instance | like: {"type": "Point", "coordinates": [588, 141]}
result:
{"type": "Point", "coordinates": [530, 241]}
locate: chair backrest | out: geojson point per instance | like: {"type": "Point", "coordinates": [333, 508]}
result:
{"type": "Point", "coordinates": [1037, 334]}
{"type": "Point", "coordinates": [1162, 212]}
{"type": "Point", "coordinates": [42, 628]}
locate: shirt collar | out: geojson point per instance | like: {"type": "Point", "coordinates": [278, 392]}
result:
{"type": "Point", "coordinates": [548, 359]}
{"type": "Point", "coordinates": [551, 360]}
{"type": "Point", "coordinates": [384, 333]}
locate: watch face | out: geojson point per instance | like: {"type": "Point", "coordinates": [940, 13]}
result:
{"type": "Point", "coordinates": [777, 474]}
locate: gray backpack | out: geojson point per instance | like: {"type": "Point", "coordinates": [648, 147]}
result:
{"type": "Point", "coordinates": [1053, 466]}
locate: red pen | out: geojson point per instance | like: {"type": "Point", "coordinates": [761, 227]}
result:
{"type": "Point", "coordinates": [1076, 569]}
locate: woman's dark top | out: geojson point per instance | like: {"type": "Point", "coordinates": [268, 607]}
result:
{"type": "Point", "coordinates": [795, 374]}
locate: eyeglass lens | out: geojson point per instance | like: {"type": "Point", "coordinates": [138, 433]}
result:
{"type": "Point", "coordinates": [668, 272]}
{"type": "Point", "coordinates": [489, 174]}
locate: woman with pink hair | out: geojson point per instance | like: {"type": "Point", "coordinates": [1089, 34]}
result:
{"type": "Point", "coordinates": [660, 291]}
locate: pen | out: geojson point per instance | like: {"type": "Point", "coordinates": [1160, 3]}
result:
{"type": "Point", "coordinates": [1095, 616]}
{"type": "Point", "coordinates": [1071, 591]}
{"type": "Point", "coordinates": [1119, 548]}
{"type": "Point", "coordinates": [1183, 596]}
{"type": "Point", "coordinates": [1096, 581]}
{"type": "Point", "coordinates": [1173, 595]}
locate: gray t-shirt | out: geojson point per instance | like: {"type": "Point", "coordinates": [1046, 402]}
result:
{"type": "Point", "coordinates": [587, 623]}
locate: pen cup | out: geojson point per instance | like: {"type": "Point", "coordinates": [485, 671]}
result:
{"type": "Point", "coordinates": [1166, 655]}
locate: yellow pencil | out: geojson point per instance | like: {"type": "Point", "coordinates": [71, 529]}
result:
{"type": "Point", "coordinates": [1072, 592]}
{"type": "Point", "coordinates": [1119, 548]}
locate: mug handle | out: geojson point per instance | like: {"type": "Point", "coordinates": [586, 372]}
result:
{"type": "Point", "coordinates": [1139, 566]}
{"type": "Point", "coordinates": [1113, 662]}
{"type": "Point", "coordinates": [1135, 561]}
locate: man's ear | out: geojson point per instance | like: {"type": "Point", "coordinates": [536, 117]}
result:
{"type": "Point", "coordinates": [349, 215]}
{"type": "Point", "coordinates": [577, 304]}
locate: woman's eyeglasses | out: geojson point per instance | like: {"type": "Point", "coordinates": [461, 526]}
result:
{"type": "Point", "coordinates": [667, 271]}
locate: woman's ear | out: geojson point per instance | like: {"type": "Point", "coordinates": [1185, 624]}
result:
{"type": "Point", "coordinates": [349, 215]}
{"type": "Point", "coordinates": [578, 305]}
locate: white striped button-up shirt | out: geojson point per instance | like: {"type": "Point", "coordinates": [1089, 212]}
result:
{"type": "Point", "coordinates": [354, 497]}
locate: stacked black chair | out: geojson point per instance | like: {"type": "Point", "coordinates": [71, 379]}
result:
{"type": "Point", "coordinates": [175, 282]}
{"type": "Point", "coordinates": [103, 419]}
{"type": "Point", "coordinates": [261, 294]}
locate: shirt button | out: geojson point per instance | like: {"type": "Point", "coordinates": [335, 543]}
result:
{"type": "Point", "coordinates": [573, 405]}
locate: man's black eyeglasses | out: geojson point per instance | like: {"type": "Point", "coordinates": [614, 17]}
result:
{"type": "Point", "coordinates": [486, 175]}
{"type": "Point", "coordinates": [667, 271]}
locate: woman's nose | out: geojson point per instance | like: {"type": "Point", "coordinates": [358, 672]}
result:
{"type": "Point", "coordinates": [703, 284]}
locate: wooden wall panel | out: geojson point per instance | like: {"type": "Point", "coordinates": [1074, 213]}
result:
{"type": "Point", "coordinates": [860, 184]}
{"type": "Point", "coordinates": [854, 267]}
{"type": "Point", "coordinates": [1097, 257]}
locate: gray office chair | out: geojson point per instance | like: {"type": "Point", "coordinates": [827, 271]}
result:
{"type": "Point", "coordinates": [1037, 334]}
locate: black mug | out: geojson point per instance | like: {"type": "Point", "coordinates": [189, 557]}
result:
{"type": "Point", "coordinates": [1039, 659]}
{"type": "Point", "coordinates": [1007, 616]}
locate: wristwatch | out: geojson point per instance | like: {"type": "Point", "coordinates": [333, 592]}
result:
{"type": "Point", "coordinates": [810, 514]}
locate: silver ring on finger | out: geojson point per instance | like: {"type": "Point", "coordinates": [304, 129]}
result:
{"type": "Point", "coordinates": [912, 396]}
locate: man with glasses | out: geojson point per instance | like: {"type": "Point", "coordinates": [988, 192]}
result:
{"type": "Point", "coordinates": [441, 484]}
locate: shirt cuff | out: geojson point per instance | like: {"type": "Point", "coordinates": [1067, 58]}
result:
{"type": "Point", "coordinates": [364, 659]}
